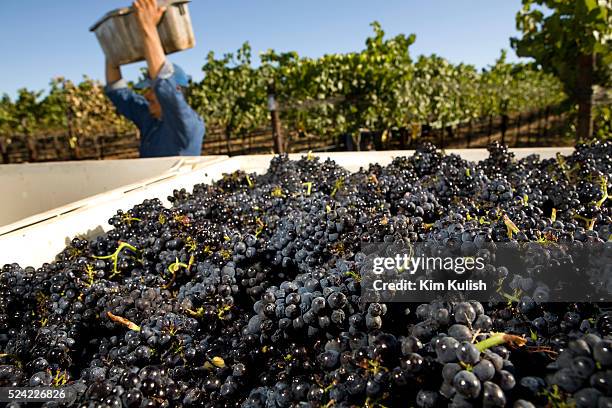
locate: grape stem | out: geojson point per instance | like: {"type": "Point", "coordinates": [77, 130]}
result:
{"type": "Point", "coordinates": [128, 219]}
{"type": "Point", "coordinates": [510, 226]}
{"type": "Point", "coordinates": [357, 277]}
{"type": "Point", "coordinates": [223, 310]}
{"type": "Point", "coordinates": [115, 255]}
{"type": "Point", "coordinates": [260, 227]}
{"type": "Point", "coordinates": [277, 192]}
{"type": "Point", "coordinates": [174, 267]}
{"type": "Point", "coordinates": [337, 186]}
{"type": "Point", "coordinates": [498, 339]}
{"type": "Point", "coordinates": [60, 379]}
{"type": "Point", "coordinates": [542, 349]}
{"type": "Point", "coordinates": [308, 187]}
{"type": "Point", "coordinates": [604, 190]}
{"type": "Point", "coordinates": [123, 321]}
{"type": "Point", "coordinates": [196, 313]}
{"type": "Point", "coordinates": [589, 222]}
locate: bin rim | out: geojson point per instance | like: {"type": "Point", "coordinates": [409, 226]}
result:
{"type": "Point", "coordinates": [123, 11]}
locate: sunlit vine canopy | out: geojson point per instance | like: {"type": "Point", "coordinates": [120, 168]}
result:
{"type": "Point", "coordinates": [381, 87]}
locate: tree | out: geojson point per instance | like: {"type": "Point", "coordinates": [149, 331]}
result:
{"type": "Point", "coordinates": [571, 39]}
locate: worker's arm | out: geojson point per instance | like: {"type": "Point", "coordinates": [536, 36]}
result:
{"type": "Point", "coordinates": [149, 15]}
{"type": "Point", "coordinates": [128, 103]}
{"type": "Point", "coordinates": [113, 73]}
{"type": "Point", "coordinates": [187, 124]}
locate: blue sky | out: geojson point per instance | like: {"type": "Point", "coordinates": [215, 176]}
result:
{"type": "Point", "coordinates": [42, 39]}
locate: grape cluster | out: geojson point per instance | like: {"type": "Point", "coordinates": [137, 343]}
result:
{"type": "Point", "coordinates": [247, 292]}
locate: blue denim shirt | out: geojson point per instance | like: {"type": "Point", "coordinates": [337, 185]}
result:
{"type": "Point", "coordinates": [179, 132]}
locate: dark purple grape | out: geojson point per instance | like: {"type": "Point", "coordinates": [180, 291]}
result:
{"type": "Point", "coordinates": [583, 367]}
{"type": "Point", "coordinates": [567, 380]}
{"type": "Point", "coordinates": [492, 395]}
{"type": "Point", "coordinates": [467, 384]}
{"type": "Point", "coordinates": [587, 397]}
{"type": "Point", "coordinates": [467, 353]}
{"type": "Point", "coordinates": [523, 404]}
{"type": "Point", "coordinates": [426, 399]}
{"type": "Point", "coordinates": [602, 352]}
{"type": "Point", "coordinates": [506, 380]}
{"type": "Point", "coordinates": [450, 370]}
{"type": "Point", "coordinates": [484, 370]}
{"type": "Point", "coordinates": [446, 349]}
{"type": "Point", "coordinates": [464, 313]}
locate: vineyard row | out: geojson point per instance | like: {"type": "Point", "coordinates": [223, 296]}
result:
{"type": "Point", "coordinates": [381, 88]}
{"type": "Point", "coordinates": [524, 129]}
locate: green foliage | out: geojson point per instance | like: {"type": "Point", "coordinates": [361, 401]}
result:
{"type": "Point", "coordinates": [603, 121]}
{"type": "Point", "coordinates": [556, 32]}
{"type": "Point", "coordinates": [340, 93]}
{"type": "Point", "coordinates": [83, 107]}
{"type": "Point", "coordinates": [379, 88]}
{"type": "Point", "coordinates": [25, 113]}
{"type": "Point", "coordinates": [232, 94]}
{"type": "Point", "coordinates": [88, 109]}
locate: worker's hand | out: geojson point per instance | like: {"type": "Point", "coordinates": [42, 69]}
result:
{"type": "Point", "coordinates": [148, 13]}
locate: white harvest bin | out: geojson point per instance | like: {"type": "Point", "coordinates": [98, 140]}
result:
{"type": "Point", "coordinates": [38, 191]}
{"type": "Point", "coordinates": [40, 242]}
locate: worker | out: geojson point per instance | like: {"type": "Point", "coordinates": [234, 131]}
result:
{"type": "Point", "coordinates": [168, 125]}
